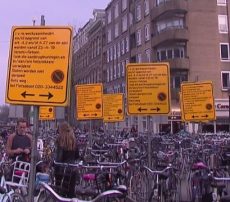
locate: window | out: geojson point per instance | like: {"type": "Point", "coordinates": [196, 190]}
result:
{"type": "Point", "coordinates": [225, 77]}
{"type": "Point", "coordinates": [127, 44]}
{"type": "Point", "coordinates": [124, 23]}
{"type": "Point", "coordinates": [116, 11]}
{"type": "Point", "coordinates": [170, 53]}
{"type": "Point", "coordinates": [221, 2]}
{"type": "Point", "coordinates": [130, 19]}
{"type": "Point", "coordinates": [223, 23]}
{"type": "Point", "coordinates": [122, 47]}
{"type": "Point", "coordinates": [116, 30]}
{"type": "Point", "coordinates": [139, 58]}
{"type": "Point", "coordinates": [147, 35]}
{"type": "Point", "coordinates": [109, 35]}
{"type": "Point", "coordinates": [126, 62]}
{"type": "Point", "coordinates": [108, 75]}
{"type": "Point", "coordinates": [123, 68]}
{"type": "Point", "coordinates": [115, 71]}
{"type": "Point", "coordinates": [148, 55]}
{"type": "Point", "coordinates": [177, 79]}
{"type": "Point", "coordinates": [118, 50]}
{"type": "Point", "coordinates": [172, 23]}
{"type": "Point", "coordinates": [114, 51]}
{"type": "Point", "coordinates": [123, 4]}
{"type": "Point", "coordinates": [108, 55]}
{"type": "Point", "coordinates": [123, 88]}
{"type": "Point", "coordinates": [138, 13]}
{"type": "Point", "coordinates": [109, 16]}
{"type": "Point", "coordinates": [146, 7]}
{"type": "Point", "coordinates": [98, 46]}
{"type": "Point", "coordinates": [224, 51]}
{"type": "Point", "coordinates": [138, 37]}
{"type": "Point", "coordinates": [111, 73]}
{"type": "Point", "coordinates": [118, 70]}
{"type": "Point", "coordinates": [111, 53]}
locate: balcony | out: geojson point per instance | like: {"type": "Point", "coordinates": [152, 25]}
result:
{"type": "Point", "coordinates": [178, 63]}
{"type": "Point", "coordinates": [169, 6]}
{"type": "Point", "coordinates": [170, 35]}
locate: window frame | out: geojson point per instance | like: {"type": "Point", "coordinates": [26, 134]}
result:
{"type": "Point", "coordinates": [223, 87]}
{"type": "Point", "coordinates": [221, 4]}
{"type": "Point", "coordinates": [226, 20]}
{"type": "Point", "coordinates": [224, 60]}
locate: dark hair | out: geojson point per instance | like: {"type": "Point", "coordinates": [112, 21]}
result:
{"type": "Point", "coordinates": [22, 120]}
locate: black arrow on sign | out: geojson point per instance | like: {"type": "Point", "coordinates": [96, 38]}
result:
{"type": "Point", "coordinates": [205, 116]}
{"type": "Point", "coordinates": [49, 95]}
{"type": "Point", "coordinates": [141, 109]}
{"type": "Point", "coordinates": [24, 94]}
{"type": "Point", "coordinates": [193, 116]}
{"type": "Point", "coordinates": [155, 109]}
{"type": "Point", "coordinates": [86, 115]}
{"type": "Point", "coordinates": [94, 114]}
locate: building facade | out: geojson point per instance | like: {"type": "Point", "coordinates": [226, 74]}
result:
{"type": "Point", "coordinates": [88, 59]}
{"type": "Point", "coordinates": [193, 36]}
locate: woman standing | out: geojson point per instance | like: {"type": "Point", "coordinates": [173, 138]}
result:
{"type": "Point", "coordinates": [66, 152]}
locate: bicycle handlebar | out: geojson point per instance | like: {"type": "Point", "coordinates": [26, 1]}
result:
{"type": "Point", "coordinates": [114, 193]}
{"type": "Point", "coordinates": [158, 171]}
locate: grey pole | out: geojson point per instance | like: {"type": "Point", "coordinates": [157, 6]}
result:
{"type": "Point", "coordinates": [33, 155]}
{"type": "Point", "coordinates": [149, 141]}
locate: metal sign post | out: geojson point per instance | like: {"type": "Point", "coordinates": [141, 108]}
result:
{"type": "Point", "coordinates": [149, 141]}
{"type": "Point", "coordinates": [33, 155]}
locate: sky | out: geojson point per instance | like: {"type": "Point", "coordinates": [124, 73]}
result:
{"type": "Point", "coordinates": [74, 13]}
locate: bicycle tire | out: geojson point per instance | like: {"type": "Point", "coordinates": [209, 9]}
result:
{"type": "Point", "coordinates": [16, 197]}
{"type": "Point", "coordinates": [44, 197]}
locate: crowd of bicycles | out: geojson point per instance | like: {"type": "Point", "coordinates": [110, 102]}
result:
{"type": "Point", "coordinates": [126, 167]}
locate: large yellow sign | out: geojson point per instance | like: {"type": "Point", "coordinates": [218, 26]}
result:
{"type": "Point", "coordinates": [46, 113]}
{"type": "Point", "coordinates": [148, 88]}
{"type": "Point", "coordinates": [89, 101]}
{"type": "Point", "coordinates": [113, 107]}
{"type": "Point", "coordinates": [198, 101]}
{"type": "Point", "coordinates": [39, 61]}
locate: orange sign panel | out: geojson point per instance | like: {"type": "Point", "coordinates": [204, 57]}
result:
{"type": "Point", "coordinates": [39, 62]}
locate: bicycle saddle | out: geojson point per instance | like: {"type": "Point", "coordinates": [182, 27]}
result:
{"type": "Point", "coordinates": [199, 166]}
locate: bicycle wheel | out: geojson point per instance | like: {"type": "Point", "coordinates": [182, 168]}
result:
{"type": "Point", "coordinates": [138, 187]}
{"type": "Point", "coordinates": [43, 196]}
{"type": "Point", "coordinates": [15, 197]}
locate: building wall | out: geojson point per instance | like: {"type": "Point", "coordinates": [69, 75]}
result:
{"type": "Point", "coordinates": [184, 33]}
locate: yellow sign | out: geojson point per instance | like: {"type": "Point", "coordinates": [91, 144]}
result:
{"type": "Point", "coordinates": [89, 101]}
{"type": "Point", "coordinates": [113, 109]}
{"type": "Point", "coordinates": [46, 113]}
{"type": "Point", "coordinates": [198, 101]}
{"type": "Point", "coordinates": [39, 61]}
{"type": "Point", "coordinates": [148, 88]}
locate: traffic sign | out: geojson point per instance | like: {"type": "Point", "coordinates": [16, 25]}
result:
{"type": "Point", "coordinates": [38, 72]}
{"type": "Point", "coordinates": [198, 101]}
{"type": "Point", "coordinates": [148, 90]}
{"type": "Point", "coordinates": [46, 113]}
{"type": "Point", "coordinates": [89, 101]}
{"type": "Point", "coordinates": [113, 107]}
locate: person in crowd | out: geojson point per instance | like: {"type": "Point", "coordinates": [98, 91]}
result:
{"type": "Point", "coordinates": [134, 132]}
{"type": "Point", "coordinates": [66, 152]}
{"type": "Point", "coordinates": [19, 143]}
